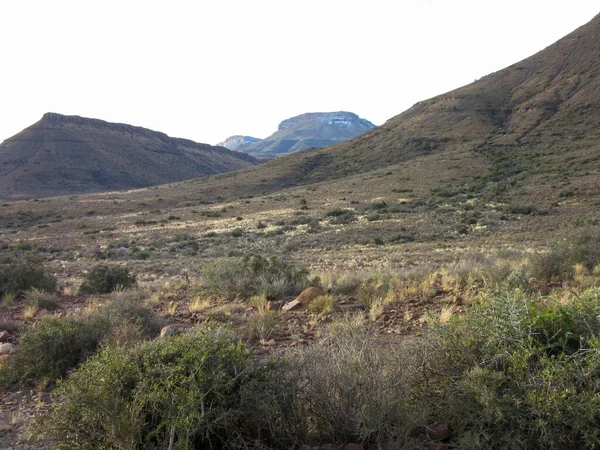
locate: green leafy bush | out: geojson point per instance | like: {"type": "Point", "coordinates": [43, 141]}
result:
{"type": "Point", "coordinates": [17, 277]}
{"type": "Point", "coordinates": [105, 279]}
{"type": "Point", "coordinates": [184, 392]}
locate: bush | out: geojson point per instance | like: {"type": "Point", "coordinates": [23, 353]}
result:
{"type": "Point", "coordinates": [348, 388]}
{"type": "Point", "coordinates": [184, 392]}
{"type": "Point", "coordinates": [104, 279]}
{"type": "Point", "coordinates": [52, 348]}
{"type": "Point", "coordinates": [572, 246]}
{"type": "Point", "coordinates": [18, 277]}
{"type": "Point", "coordinates": [40, 300]}
{"type": "Point", "coordinates": [514, 373]}
{"type": "Point", "coordinates": [253, 275]}
{"type": "Point", "coordinates": [57, 345]}
{"type": "Point", "coordinates": [322, 305]}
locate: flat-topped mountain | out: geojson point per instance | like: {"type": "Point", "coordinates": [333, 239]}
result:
{"type": "Point", "coordinates": [306, 131]}
{"type": "Point", "coordinates": [233, 142]}
{"type": "Point", "coordinates": [62, 155]}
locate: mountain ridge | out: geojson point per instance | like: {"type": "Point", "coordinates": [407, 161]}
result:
{"type": "Point", "coordinates": [64, 155]}
{"type": "Point", "coordinates": [316, 129]}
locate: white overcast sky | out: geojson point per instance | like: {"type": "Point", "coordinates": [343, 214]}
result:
{"type": "Point", "coordinates": [208, 69]}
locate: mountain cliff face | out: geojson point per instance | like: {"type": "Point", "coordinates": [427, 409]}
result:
{"type": "Point", "coordinates": [63, 155]}
{"type": "Point", "coordinates": [306, 131]}
{"type": "Point", "coordinates": [233, 142]}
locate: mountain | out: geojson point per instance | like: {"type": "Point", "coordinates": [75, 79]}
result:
{"type": "Point", "coordinates": [306, 131]}
{"type": "Point", "coordinates": [233, 142]}
{"type": "Point", "coordinates": [62, 155]}
{"type": "Point", "coordinates": [529, 130]}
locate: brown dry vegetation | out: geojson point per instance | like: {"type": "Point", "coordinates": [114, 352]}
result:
{"type": "Point", "coordinates": [462, 268]}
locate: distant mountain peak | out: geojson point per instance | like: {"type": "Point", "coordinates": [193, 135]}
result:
{"type": "Point", "coordinates": [339, 118]}
{"type": "Point", "coordinates": [233, 142]}
{"type": "Point", "coordinates": [314, 129]}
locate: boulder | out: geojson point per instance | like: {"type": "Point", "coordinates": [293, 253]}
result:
{"type": "Point", "coordinates": [305, 297]}
{"type": "Point", "coordinates": [170, 330]}
{"type": "Point", "coordinates": [6, 348]}
{"type": "Point", "coordinates": [353, 447]}
{"type": "Point", "coordinates": [439, 431]}
{"type": "Point", "coordinates": [308, 295]}
{"type": "Point", "coordinates": [290, 306]}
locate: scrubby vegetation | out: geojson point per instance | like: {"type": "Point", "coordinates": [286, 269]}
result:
{"type": "Point", "coordinates": [105, 279]}
{"type": "Point", "coordinates": [512, 372]}
{"type": "Point", "coordinates": [56, 345]}
{"type": "Point", "coordinates": [253, 275]}
{"type": "Point", "coordinates": [16, 277]}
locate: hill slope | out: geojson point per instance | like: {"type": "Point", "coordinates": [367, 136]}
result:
{"type": "Point", "coordinates": [532, 127]}
{"type": "Point", "coordinates": [62, 155]}
{"type": "Point", "coordinates": [306, 131]}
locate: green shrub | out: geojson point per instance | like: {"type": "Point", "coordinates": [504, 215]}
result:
{"type": "Point", "coordinates": [17, 277]}
{"type": "Point", "coordinates": [52, 348]}
{"type": "Point", "coordinates": [40, 299]}
{"type": "Point", "coordinates": [105, 279]}
{"type": "Point", "coordinates": [253, 275]}
{"type": "Point", "coordinates": [184, 392]}
{"type": "Point", "coordinates": [127, 314]}
{"type": "Point", "coordinates": [514, 373]}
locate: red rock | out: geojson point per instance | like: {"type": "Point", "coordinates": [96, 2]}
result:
{"type": "Point", "coordinates": [308, 295]}
{"type": "Point", "coordinates": [439, 431]}
{"type": "Point", "coordinates": [353, 447]}
{"type": "Point", "coordinates": [436, 446]}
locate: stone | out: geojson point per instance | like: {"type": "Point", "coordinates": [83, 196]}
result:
{"type": "Point", "coordinates": [6, 348]}
{"type": "Point", "coordinates": [435, 446]}
{"type": "Point", "coordinates": [273, 306]}
{"type": "Point", "coordinates": [439, 431]}
{"type": "Point", "coordinates": [4, 426]}
{"type": "Point", "coordinates": [352, 446]}
{"type": "Point", "coordinates": [170, 330]}
{"type": "Point", "coordinates": [308, 295]}
{"type": "Point", "coordinates": [4, 336]}
{"type": "Point", "coordinates": [306, 447]}
{"type": "Point", "coordinates": [293, 305]}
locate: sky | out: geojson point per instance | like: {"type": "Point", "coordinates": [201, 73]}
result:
{"type": "Point", "coordinates": [208, 69]}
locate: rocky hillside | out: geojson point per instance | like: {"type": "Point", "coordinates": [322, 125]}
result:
{"type": "Point", "coordinates": [233, 142]}
{"type": "Point", "coordinates": [62, 155]}
{"type": "Point", "coordinates": [531, 129]}
{"type": "Point", "coordinates": [306, 131]}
